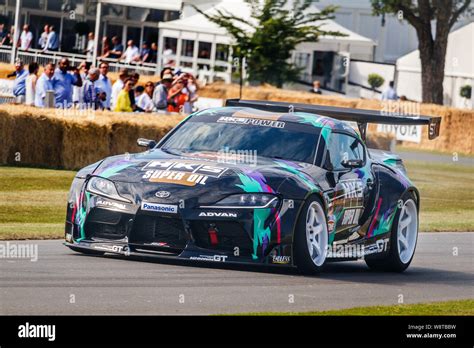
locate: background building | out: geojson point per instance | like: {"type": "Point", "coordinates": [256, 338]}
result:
{"type": "Point", "coordinates": [186, 39]}
{"type": "Point", "coordinates": [458, 71]}
{"type": "Point", "coordinates": [133, 19]}
{"type": "Point", "coordinates": [200, 44]}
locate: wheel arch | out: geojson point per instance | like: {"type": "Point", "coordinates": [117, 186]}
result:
{"type": "Point", "coordinates": [314, 193]}
{"type": "Point", "coordinates": [413, 190]}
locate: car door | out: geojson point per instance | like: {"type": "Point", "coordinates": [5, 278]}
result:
{"type": "Point", "coordinates": [352, 184]}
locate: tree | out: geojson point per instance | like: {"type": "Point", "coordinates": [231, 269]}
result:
{"type": "Point", "coordinates": [268, 39]}
{"type": "Point", "coordinates": [432, 40]}
{"type": "Point", "coordinates": [375, 81]}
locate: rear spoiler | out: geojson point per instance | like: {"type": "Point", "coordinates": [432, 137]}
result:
{"type": "Point", "coordinates": [362, 117]}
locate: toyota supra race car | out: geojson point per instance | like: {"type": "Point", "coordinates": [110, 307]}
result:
{"type": "Point", "coordinates": [254, 183]}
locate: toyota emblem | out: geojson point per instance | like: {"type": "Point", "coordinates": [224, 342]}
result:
{"type": "Point", "coordinates": [162, 194]}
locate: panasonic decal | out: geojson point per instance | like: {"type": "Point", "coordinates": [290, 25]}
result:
{"type": "Point", "coordinates": [160, 208]}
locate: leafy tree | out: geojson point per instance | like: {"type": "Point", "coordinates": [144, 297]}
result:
{"type": "Point", "coordinates": [375, 81]}
{"type": "Point", "coordinates": [268, 39]}
{"type": "Point", "coordinates": [432, 39]}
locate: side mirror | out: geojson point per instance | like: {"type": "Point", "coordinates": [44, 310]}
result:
{"type": "Point", "coordinates": [149, 144]}
{"type": "Point", "coordinates": [352, 163]}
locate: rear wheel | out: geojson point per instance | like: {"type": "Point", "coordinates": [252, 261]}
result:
{"type": "Point", "coordinates": [311, 238]}
{"type": "Point", "coordinates": [403, 239]}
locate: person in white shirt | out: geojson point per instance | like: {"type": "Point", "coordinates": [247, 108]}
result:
{"type": "Point", "coordinates": [43, 39]}
{"type": "Point", "coordinates": [131, 54]}
{"type": "Point", "coordinates": [52, 43]}
{"type": "Point", "coordinates": [90, 47]}
{"type": "Point", "coordinates": [78, 92]}
{"type": "Point", "coordinates": [390, 93]}
{"type": "Point", "coordinates": [31, 79]}
{"type": "Point", "coordinates": [167, 57]}
{"type": "Point", "coordinates": [26, 38]}
{"type": "Point", "coordinates": [104, 84]}
{"type": "Point", "coordinates": [143, 99]}
{"type": "Point", "coordinates": [44, 84]}
{"type": "Point", "coordinates": [117, 87]}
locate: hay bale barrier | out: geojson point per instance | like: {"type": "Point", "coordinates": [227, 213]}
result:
{"type": "Point", "coordinates": [49, 138]}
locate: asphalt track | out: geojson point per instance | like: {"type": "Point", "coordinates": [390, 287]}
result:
{"type": "Point", "coordinates": [64, 282]}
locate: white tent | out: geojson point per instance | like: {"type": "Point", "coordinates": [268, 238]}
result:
{"type": "Point", "coordinates": [458, 71]}
{"type": "Point", "coordinates": [170, 5]}
{"type": "Point", "coordinates": [196, 27]}
{"type": "Point", "coordinates": [199, 23]}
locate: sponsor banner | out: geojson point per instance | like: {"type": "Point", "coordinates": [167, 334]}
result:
{"type": "Point", "coordinates": [175, 177]}
{"type": "Point", "coordinates": [352, 189]}
{"type": "Point", "coordinates": [281, 260]}
{"type": "Point", "coordinates": [108, 204]}
{"type": "Point", "coordinates": [402, 132]}
{"type": "Point", "coordinates": [379, 246]}
{"type": "Point", "coordinates": [212, 214]}
{"type": "Point", "coordinates": [180, 173]}
{"type": "Point", "coordinates": [214, 258]}
{"type": "Point", "coordinates": [110, 248]}
{"type": "Point", "coordinates": [160, 208]}
{"type": "Point", "coordinates": [351, 216]}
{"type": "Point", "coordinates": [251, 121]}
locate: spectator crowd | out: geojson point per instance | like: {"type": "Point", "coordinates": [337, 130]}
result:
{"type": "Point", "coordinates": [48, 40]}
{"type": "Point", "coordinates": [88, 87]}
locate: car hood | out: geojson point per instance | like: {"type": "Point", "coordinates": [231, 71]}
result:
{"type": "Point", "coordinates": [205, 175]}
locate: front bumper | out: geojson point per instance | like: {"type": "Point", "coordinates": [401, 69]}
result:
{"type": "Point", "coordinates": [215, 235]}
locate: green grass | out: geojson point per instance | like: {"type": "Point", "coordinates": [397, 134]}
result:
{"type": "Point", "coordinates": [459, 307]}
{"type": "Point", "coordinates": [447, 195]}
{"type": "Point", "coordinates": [33, 201]}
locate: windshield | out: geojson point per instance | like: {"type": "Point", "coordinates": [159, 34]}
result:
{"type": "Point", "coordinates": [289, 141]}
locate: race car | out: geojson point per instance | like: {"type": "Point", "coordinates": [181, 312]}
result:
{"type": "Point", "coordinates": [254, 183]}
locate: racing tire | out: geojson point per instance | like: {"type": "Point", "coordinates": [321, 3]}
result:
{"type": "Point", "coordinates": [87, 251]}
{"type": "Point", "coordinates": [311, 238]}
{"type": "Point", "coordinates": [403, 239]}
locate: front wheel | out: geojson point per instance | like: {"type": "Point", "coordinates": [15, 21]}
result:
{"type": "Point", "coordinates": [403, 238]}
{"type": "Point", "coordinates": [311, 238]}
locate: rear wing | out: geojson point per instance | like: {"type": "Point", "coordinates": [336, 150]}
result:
{"type": "Point", "coordinates": [362, 117]}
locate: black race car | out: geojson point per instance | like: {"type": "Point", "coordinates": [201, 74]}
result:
{"type": "Point", "coordinates": [254, 182]}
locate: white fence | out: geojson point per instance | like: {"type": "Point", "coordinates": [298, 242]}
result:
{"type": "Point", "coordinates": [39, 56]}
{"type": "Point", "coordinates": [359, 72]}
{"type": "Point", "coordinates": [222, 70]}
{"type": "Point", "coordinates": [142, 68]}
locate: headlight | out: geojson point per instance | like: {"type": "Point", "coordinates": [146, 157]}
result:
{"type": "Point", "coordinates": [247, 200]}
{"type": "Point", "coordinates": [104, 187]}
